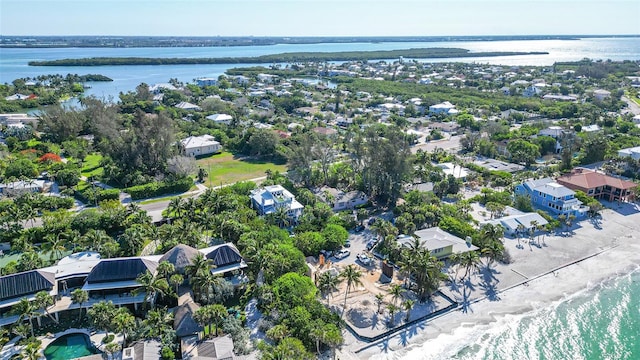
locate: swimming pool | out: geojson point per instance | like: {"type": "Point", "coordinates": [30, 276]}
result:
{"type": "Point", "coordinates": [70, 346]}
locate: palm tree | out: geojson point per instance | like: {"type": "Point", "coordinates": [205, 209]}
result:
{"type": "Point", "coordinates": [200, 265]}
{"type": "Point", "coordinates": [175, 208]}
{"type": "Point", "coordinates": [204, 284]}
{"type": "Point", "coordinates": [520, 230]}
{"type": "Point", "coordinates": [176, 280]}
{"type": "Point", "coordinates": [392, 312]}
{"type": "Point", "coordinates": [281, 217]}
{"type": "Point", "coordinates": [333, 338]}
{"type": "Point", "coordinates": [151, 286]}
{"type": "Point", "coordinates": [32, 350]}
{"type": "Point", "coordinates": [278, 332]}
{"type": "Point", "coordinates": [112, 348]}
{"type": "Point", "coordinates": [79, 296]}
{"type": "Point", "coordinates": [317, 334]}
{"type": "Point", "coordinates": [94, 239]}
{"type": "Point", "coordinates": [165, 269]}
{"type": "Point", "coordinates": [493, 250]}
{"type": "Point", "coordinates": [43, 301]}
{"type": "Point", "coordinates": [54, 245]}
{"type": "Point", "coordinates": [379, 301]}
{"type": "Point", "coordinates": [327, 284]}
{"type": "Point", "coordinates": [26, 309]}
{"type": "Point", "coordinates": [396, 292]}
{"type": "Point", "coordinates": [469, 260]}
{"type": "Point", "coordinates": [203, 317]}
{"type": "Point", "coordinates": [124, 322]}
{"type": "Point", "coordinates": [407, 305]}
{"type": "Point", "coordinates": [156, 321]}
{"type": "Point", "coordinates": [352, 276]}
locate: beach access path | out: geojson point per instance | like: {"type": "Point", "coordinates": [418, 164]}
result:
{"type": "Point", "coordinates": [562, 265]}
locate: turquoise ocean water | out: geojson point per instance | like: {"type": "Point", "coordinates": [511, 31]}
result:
{"type": "Point", "coordinates": [602, 322]}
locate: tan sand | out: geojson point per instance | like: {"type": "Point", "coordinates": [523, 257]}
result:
{"type": "Point", "coordinates": [594, 252]}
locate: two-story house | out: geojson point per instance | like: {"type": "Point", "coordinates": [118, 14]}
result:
{"type": "Point", "coordinates": [552, 197]}
{"type": "Point", "coordinates": [269, 199]}
{"type": "Point", "coordinates": [340, 200]}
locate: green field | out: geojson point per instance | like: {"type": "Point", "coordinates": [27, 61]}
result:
{"type": "Point", "coordinates": [91, 165]}
{"type": "Point", "coordinates": [225, 168]}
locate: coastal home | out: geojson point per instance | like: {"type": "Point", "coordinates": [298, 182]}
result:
{"type": "Point", "coordinates": [227, 262]}
{"type": "Point", "coordinates": [446, 108]}
{"type": "Point", "coordinates": [552, 197]}
{"type": "Point", "coordinates": [457, 171]}
{"type": "Point", "coordinates": [448, 127]}
{"type": "Point", "coordinates": [220, 118]}
{"type": "Point", "coordinates": [532, 91]}
{"type": "Point", "coordinates": [115, 280]}
{"type": "Point", "coordinates": [15, 97]}
{"type": "Point", "coordinates": [26, 284]}
{"type": "Point", "coordinates": [20, 187]}
{"type": "Point", "coordinates": [440, 243]}
{"type": "Point", "coordinates": [158, 88]}
{"type": "Point", "coordinates": [200, 145]}
{"type": "Point", "coordinates": [9, 119]}
{"type": "Point", "coordinates": [555, 132]}
{"type": "Point", "coordinates": [267, 78]}
{"type": "Point", "coordinates": [498, 165]}
{"type": "Point", "coordinates": [206, 81]}
{"type": "Point", "coordinates": [269, 199]}
{"type": "Point", "coordinates": [633, 152]}
{"type": "Point", "coordinates": [340, 200]}
{"type": "Point", "coordinates": [598, 185]}
{"type": "Point", "coordinates": [142, 350]}
{"type": "Point", "coordinates": [187, 106]}
{"type": "Point", "coordinates": [180, 256]}
{"type": "Point", "coordinates": [601, 95]}
{"type": "Point", "coordinates": [519, 223]}
{"type": "Point", "coordinates": [324, 131]}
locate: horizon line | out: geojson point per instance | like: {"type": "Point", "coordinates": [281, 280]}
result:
{"type": "Point", "coordinates": [322, 36]}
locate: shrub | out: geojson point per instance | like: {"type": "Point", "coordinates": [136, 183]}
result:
{"type": "Point", "coordinates": [159, 188]}
{"type": "Point", "coordinates": [107, 339]}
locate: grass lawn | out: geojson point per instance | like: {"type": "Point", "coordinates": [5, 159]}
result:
{"type": "Point", "coordinates": [91, 165]}
{"type": "Point", "coordinates": [225, 168]}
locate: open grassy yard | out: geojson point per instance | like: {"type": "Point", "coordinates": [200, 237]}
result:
{"type": "Point", "coordinates": [91, 165]}
{"type": "Point", "coordinates": [225, 168]}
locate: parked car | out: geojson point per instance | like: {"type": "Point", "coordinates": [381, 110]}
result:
{"type": "Point", "coordinates": [342, 254]}
{"type": "Point", "coordinates": [371, 244]}
{"type": "Point", "coordinates": [347, 243]}
{"type": "Point", "coordinates": [364, 259]}
{"type": "Point", "coordinates": [327, 254]}
{"type": "Point", "coordinates": [371, 221]}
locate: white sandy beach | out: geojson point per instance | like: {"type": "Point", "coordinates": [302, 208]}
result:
{"type": "Point", "coordinates": [615, 240]}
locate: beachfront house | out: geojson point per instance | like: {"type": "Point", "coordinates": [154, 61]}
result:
{"type": "Point", "coordinates": [115, 280]}
{"type": "Point", "coordinates": [552, 197]}
{"type": "Point", "coordinates": [269, 199]}
{"type": "Point", "coordinates": [440, 243]}
{"type": "Point", "coordinates": [519, 223]}
{"type": "Point", "coordinates": [26, 284]}
{"type": "Point", "coordinates": [200, 145]}
{"type": "Point", "coordinates": [598, 185]}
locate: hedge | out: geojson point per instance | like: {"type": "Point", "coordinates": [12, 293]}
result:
{"type": "Point", "coordinates": [96, 195]}
{"type": "Point", "coordinates": [159, 188]}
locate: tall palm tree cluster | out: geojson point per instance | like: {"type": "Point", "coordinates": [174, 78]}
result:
{"type": "Point", "coordinates": [423, 270]}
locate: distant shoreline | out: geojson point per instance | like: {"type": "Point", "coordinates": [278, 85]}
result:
{"type": "Point", "coordinates": [427, 53]}
{"type": "Point", "coordinates": [27, 41]}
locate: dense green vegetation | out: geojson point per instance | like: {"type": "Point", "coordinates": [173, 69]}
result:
{"type": "Point", "coordinates": [428, 53]}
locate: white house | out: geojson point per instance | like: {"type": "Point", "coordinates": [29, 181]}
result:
{"type": "Point", "coordinates": [200, 145]}
{"type": "Point", "coordinates": [269, 199]}
{"type": "Point", "coordinates": [267, 78]}
{"type": "Point", "coordinates": [21, 187]}
{"type": "Point", "coordinates": [340, 200]}
{"type": "Point", "coordinates": [633, 153]}
{"type": "Point", "coordinates": [532, 91]}
{"type": "Point", "coordinates": [220, 118]}
{"type": "Point", "coordinates": [457, 171]}
{"type": "Point", "coordinates": [443, 108]}
{"type": "Point", "coordinates": [158, 88]}
{"type": "Point", "coordinates": [17, 97]}
{"type": "Point", "coordinates": [187, 106]}
{"type": "Point", "coordinates": [526, 222]}
{"type": "Point", "coordinates": [600, 94]}
{"type": "Point", "coordinates": [440, 243]}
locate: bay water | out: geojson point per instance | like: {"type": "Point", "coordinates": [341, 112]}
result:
{"type": "Point", "coordinates": [13, 61]}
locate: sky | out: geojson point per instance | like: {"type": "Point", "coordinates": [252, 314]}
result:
{"type": "Point", "coordinates": [318, 17]}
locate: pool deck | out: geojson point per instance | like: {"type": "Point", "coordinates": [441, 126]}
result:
{"type": "Point", "coordinates": [10, 349]}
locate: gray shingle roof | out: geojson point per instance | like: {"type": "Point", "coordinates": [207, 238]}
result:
{"type": "Point", "coordinates": [220, 348]}
{"type": "Point", "coordinates": [180, 256]}
{"type": "Point", "coordinates": [120, 270]}
{"type": "Point", "coordinates": [183, 322]}
{"type": "Point", "coordinates": [25, 283]}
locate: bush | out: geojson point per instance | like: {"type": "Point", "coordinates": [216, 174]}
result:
{"type": "Point", "coordinates": [107, 339]}
{"type": "Point", "coordinates": [159, 188]}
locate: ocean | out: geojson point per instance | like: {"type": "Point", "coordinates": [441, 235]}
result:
{"type": "Point", "coordinates": [600, 323]}
{"type": "Point", "coordinates": [13, 62]}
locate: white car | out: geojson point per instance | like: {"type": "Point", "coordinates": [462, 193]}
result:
{"type": "Point", "coordinates": [364, 259]}
{"type": "Point", "coordinates": [342, 254]}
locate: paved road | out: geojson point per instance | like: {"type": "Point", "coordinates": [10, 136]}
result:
{"type": "Point", "coordinates": [632, 107]}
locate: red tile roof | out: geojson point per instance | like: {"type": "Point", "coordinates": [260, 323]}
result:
{"type": "Point", "coordinates": [589, 179]}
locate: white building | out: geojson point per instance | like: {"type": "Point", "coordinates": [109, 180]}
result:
{"type": "Point", "coordinates": [207, 81]}
{"type": "Point", "coordinates": [340, 200]}
{"type": "Point", "coordinates": [601, 95]}
{"type": "Point", "coordinates": [526, 222]}
{"type": "Point", "coordinates": [187, 106]}
{"type": "Point", "coordinates": [269, 199]}
{"type": "Point", "coordinates": [440, 243]}
{"type": "Point", "coordinates": [443, 108]}
{"type": "Point", "coordinates": [200, 145]}
{"type": "Point", "coordinates": [457, 171]}
{"type": "Point", "coordinates": [633, 153]}
{"type": "Point", "coordinates": [220, 118]}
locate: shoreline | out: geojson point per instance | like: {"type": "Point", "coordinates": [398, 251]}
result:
{"type": "Point", "coordinates": [618, 255]}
